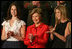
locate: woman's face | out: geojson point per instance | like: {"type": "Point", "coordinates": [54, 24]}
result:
{"type": "Point", "coordinates": [62, 1]}
{"type": "Point", "coordinates": [58, 14]}
{"type": "Point", "coordinates": [35, 2]}
{"type": "Point", "coordinates": [13, 10]}
{"type": "Point", "coordinates": [36, 18]}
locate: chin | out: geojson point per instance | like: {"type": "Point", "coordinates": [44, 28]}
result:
{"type": "Point", "coordinates": [37, 23]}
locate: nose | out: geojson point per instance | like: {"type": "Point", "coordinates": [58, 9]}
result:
{"type": "Point", "coordinates": [34, 18]}
{"type": "Point", "coordinates": [14, 11]}
{"type": "Point", "coordinates": [56, 13]}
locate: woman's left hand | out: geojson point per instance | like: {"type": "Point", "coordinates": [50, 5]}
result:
{"type": "Point", "coordinates": [31, 37]}
{"type": "Point", "coordinates": [51, 30]}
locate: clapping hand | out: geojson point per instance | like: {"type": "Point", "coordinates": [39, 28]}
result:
{"type": "Point", "coordinates": [51, 30]}
{"type": "Point", "coordinates": [31, 37]}
{"type": "Point", "coordinates": [10, 33]}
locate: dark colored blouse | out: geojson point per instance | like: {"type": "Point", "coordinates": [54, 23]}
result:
{"type": "Point", "coordinates": [60, 29]}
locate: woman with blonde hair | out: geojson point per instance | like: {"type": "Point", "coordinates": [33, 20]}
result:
{"type": "Point", "coordinates": [61, 29]}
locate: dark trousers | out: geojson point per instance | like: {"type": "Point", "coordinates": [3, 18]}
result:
{"type": "Point", "coordinates": [13, 44]}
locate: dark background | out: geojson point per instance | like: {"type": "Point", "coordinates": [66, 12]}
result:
{"type": "Point", "coordinates": [5, 6]}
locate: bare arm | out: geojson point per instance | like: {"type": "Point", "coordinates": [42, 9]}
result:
{"type": "Point", "coordinates": [67, 30]}
{"type": "Point", "coordinates": [60, 36]}
{"type": "Point", "coordinates": [51, 35]}
{"type": "Point", "coordinates": [3, 35]}
{"type": "Point", "coordinates": [63, 38]}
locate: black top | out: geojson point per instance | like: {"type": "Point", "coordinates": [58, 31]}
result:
{"type": "Point", "coordinates": [60, 29]}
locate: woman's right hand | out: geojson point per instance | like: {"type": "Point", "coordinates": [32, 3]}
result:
{"type": "Point", "coordinates": [51, 29]}
{"type": "Point", "coordinates": [10, 33]}
{"type": "Point", "coordinates": [31, 37]}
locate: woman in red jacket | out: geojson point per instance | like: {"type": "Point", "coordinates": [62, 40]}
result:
{"type": "Point", "coordinates": [35, 35]}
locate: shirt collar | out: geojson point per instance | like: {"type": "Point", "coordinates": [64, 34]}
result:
{"type": "Point", "coordinates": [38, 26]}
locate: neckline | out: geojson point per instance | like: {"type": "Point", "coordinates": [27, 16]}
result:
{"type": "Point", "coordinates": [64, 22]}
{"type": "Point", "coordinates": [39, 25]}
{"type": "Point", "coordinates": [12, 24]}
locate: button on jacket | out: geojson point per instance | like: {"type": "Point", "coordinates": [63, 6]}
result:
{"type": "Point", "coordinates": [41, 37]}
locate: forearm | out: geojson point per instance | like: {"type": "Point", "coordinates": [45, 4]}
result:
{"type": "Point", "coordinates": [51, 36]}
{"type": "Point", "coordinates": [3, 37]}
{"type": "Point", "coordinates": [60, 36]}
{"type": "Point", "coordinates": [18, 38]}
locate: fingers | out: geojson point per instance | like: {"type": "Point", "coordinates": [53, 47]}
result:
{"type": "Point", "coordinates": [10, 33]}
{"type": "Point", "coordinates": [31, 37]}
{"type": "Point", "coordinates": [31, 41]}
{"type": "Point", "coordinates": [47, 32]}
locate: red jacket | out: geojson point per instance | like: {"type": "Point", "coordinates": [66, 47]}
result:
{"type": "Point", "coordinates": [41, 37]}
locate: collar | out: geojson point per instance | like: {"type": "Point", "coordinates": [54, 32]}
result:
{"type": "Point", "coordinates": [40, 26]}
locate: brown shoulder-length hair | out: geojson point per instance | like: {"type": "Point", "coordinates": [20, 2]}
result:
{"type": "Point", "coordinates": [36, 10]}
{"type": "Point", "coordinates": [9, 16]}
{"type": "Point", "coordinates": [63, 12]}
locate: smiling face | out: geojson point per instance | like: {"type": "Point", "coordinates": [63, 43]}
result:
{"type": "Point", "coordinates": [35, 2]}
{"type": "Point", "coordinates": [58, 14]}
{"type": "Point", "coordinates": [62, 1]}
{"type": "Point", "coordinates": [36, 18]}
{"type": "Point", "coordinates": [13, 10]}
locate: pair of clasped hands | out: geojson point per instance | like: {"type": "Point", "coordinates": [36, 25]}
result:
{"type": "Point", "coordinates": [31, 37]}
{"type": "Point", "coordinates": [51, 29]}
{"type": "Point", "coordinates": [10, 33]}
